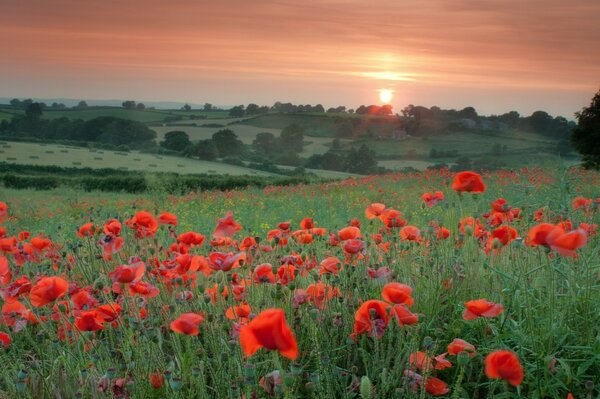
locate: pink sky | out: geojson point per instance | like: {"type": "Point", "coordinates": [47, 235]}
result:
{"type": "Point", "coordinates": [495, 55]}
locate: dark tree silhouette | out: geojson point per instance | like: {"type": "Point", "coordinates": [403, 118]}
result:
{"type": "Point", "coordinates": [586, 135]}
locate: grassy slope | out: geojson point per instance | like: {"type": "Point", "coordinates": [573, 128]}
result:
{"type": "Point", "coordinates": [59, 155]}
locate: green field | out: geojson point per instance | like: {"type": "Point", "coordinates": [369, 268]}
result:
{"type": "Point", "coordinates": [67, 156]}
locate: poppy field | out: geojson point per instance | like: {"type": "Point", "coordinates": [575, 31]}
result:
{"type": "Point", "coordinates": [414, 285]}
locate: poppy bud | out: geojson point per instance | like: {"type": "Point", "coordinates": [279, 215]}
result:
{"type": "Point", "coordinates": [589, 386]}
{"type": "Point", "coordinates": [463, 358]}
{"type": "Point", "coordinates": [428, 343]}
{"type": "Point", "coordinates": [20, 385]}
{"type": "Point", "coordinates": [176, 383]}
{"type": "Point", "coordinates": [111, 373]}
{"type": "Point", "coordinates": [366, 388]}
{"type": "Point", "coordinates": [196, 371]}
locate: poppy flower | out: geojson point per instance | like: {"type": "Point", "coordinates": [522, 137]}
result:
{"type": "Point", "coordinates": [157, 380]}
{"type": "Point", "coordinates": [263, 274]}
{"type": "Point", "coordinates": [566, 243]}
{"type": "Point", "coordinates": [397, 293]}
{"type": "Point", "coordinates": [47, 290]}
{"type": "Point", "coordinates": [3, 211]}
{"type": "Point", "coordinates": [226, 226]}
{"type": "Point", "coordinates": [187, 323]}
{"type": "Point", "coordinates": [420, 360]}
{"type": "Point", "coordinates": [89, 321]}
{"type": "Point", "coordinates": [128, 273]}
{"type": "Point", "coordinates": [167, 218]}
{"type": "Point", "coordinates": [458, 345]}
{"type": "Point", "coordinates": [410, 233]}
{"type": "Point", "coordinates": [431, 199]}
{"type": "Point", "coordinates": [144, 224]}
{"type": "Point", "coordinates": [87, 230]}
{"type": "Point", "coordinates": [481, 308]}
{"type": "Point", "coordinates": [5, 339]}
{"type": "Point", "coordinates": [319, 293]}
{"type": "Point", "coordinates": [436, 387]}
{"type": "Point", "coordinates": [329, 265]}
{"type": "Point", "coordinates": [307, 223]}
{"type": "Point", "coordinates": [504, 234]}
{"type": "Point", "coordinates": [108, 312]}
{"type": "Point", "coordinates": [349, 233]}
{"type": "Point", "coordinates": [442, 233]}
{"type": "Point", "coordinates": [112, 226]}
{"type": "Point", "coordinates": [40, 244]}
{"type": "Point", "coordinates": [404, 316]}
{"type": "Point", "coordinates": [191, 238]}
{"type": "Point", "coordinates": [537, 234]}
{"type": "Point", "coordinates": [371, 317]}
{"type": "Point", "coordinates": [581, 203]}
{"type": "Point", "coordinates": [503, 364]}
{"type": "Point", "coordinates": [5, 272]}
{"type": "Point", "coordinates": [441, 362]}
{"type": "Point", "coordinates": [240, 313]}
{"type": "Point", "coordinates": [285, 274]}
{"type": "Point", "coordinates": [469, 182]}
{"type": "Point", "coordinates": [226, 261]}
{"type": "Point", "coordinates": [392, 218]}
{"type": "Point", "coordinates": [269, 330]}
{"type": "Point", "coordinates": [144, 289]}
{"type": "Point", "coordinates": [374, 210]}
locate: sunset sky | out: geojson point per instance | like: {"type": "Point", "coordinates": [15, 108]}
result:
{"type": "Point", "coordinates": [495, 55]}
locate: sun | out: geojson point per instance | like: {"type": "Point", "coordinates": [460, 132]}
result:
{"type": "Point", "coordinates": [386, 95]}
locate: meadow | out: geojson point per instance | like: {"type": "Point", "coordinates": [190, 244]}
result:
{"type": "Point", "coordinates": [369, 287]}
{"type": "Point", "coordinates": [68, 156]}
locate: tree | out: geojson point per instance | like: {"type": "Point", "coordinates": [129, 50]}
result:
{"type": "Point", "coordinates": [204, 149]}
{"type": "Point", "coordinates": [237, 111]}
{"type": "Point", "coordinates": [586, 135]}
{"type": "Point", "coordinates": [540, 122]}
{"type": "Point", "coordinates": [227, 143]}
{"type": "Point", "coordinates": [252, 109]}
{"type": "Point", "coordinates": [176, 140]}
{"type": "Point", "coordinates": [265, 143]}
{"type": "Point", "coordinates": [34, 111]}
{"type": "Point", "coordinates": [186, 107]}
{"type": "Point", "coordinates": [140, 106]}
{"type": "Point", "coordinates": [129, 104]}
{"type": "Point", "coordinates": [292, 138]}
{"type": "Point", "coordinates": [82, 105]}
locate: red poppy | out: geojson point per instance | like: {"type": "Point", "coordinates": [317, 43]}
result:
{"type": "Point", "coordinates": [5, 272]}
{"type": "Point", "coordinates": [410, 233]}
{"type": "Point", "coordinates": [144, 224]}
{"type": "Point", "coordinates": [144, 289]}
{"type": "Point", "coordinates": [263, 274]}
{"type": "Point", "coordinates": [87, 230]}
{"type": "Point", "coordinates": [404, 316]}
{"type": "Point", "coordinates": [307, 223]}
{"type": "Point", "coordinates": [371, 317]}
{"type": "Point", "coordinates": [108, 312]}
{"type": "Point", "coordinates": [187, 323]}
{"type": "Point", "coordinates": [329, 265]}
{"type": "Point", "coordinates": [167, 218]}
{"type": "Point", "coordinates": [420, 361]}
{"type": "Point", "coordinates": [191, 238]}
{"type": "Point", "coordinates": [470, 182]}
{"type": "Point", "coordinates": [319, 293]}
{"type": "Point", "coordinates": [269, 330]}
{"type": "Point", "coordinates": [432, 199]}
{"type": "Point", "coordinates": [442, 233]}
{"type": "Point", "coordinates": [239, 313]}
{"type": "Point", "coordinates": [505, 365]}
{"type": "Point", "coordinates": [47, 290]}
{"type": "Point", "coordinates": [128, 273]}
{"type": "Point", "coordinates": [582, 203]}
{"type": "Point", "coordinates": [349, 233]}
{"type": "Point", "coordinates": [226, 226]}
{"type": "Point", "coordinates": [537, 234]}
{"type": "Point", "coordinates": [458, 345]}
{"type": "Point", "coordinates": [392, 218]}
{"type": "Point", "coordinates": [112, 226]}
{"type": "Point", "coordinates": [89, 321]}
{"type": "Point", "coordinates": [374, 210]}
{"type": "Point", "coordinates": [3, 211]}
{"type": "Point", "coordinates": [40, 244]}
{"type": "Point", "coordinates": [435, 386]}
{"type": "Point", "coordinates": [397, 293]}
{"type": "Point", "coordinates": [226, 261]}
{"type": "Point", "coordinates": [157, 380]}
{"type": "Point", "coordinates": [5, 339]}
{"type": "Point", "coordinates": [566, 243]}
{"type": "Point", "coordinates": [481, 308]}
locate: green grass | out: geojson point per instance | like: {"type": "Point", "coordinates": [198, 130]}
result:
{"type": "Point", "coordinates": [59, 155]}
{"type": "Point", "coordinates": [550, 317]}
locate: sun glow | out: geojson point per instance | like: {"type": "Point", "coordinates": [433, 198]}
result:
{"type": "Point", "coordinates": [385, 95]}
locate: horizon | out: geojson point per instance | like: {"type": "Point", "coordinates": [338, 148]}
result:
{"type": "Point", "coordinates": [495, 58]}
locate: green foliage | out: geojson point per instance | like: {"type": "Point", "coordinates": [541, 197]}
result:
{"type": "Point", "coordinates": [586, 136]}
{"type": "Point", "coordinates": [176, 140]}
{"type": "Point", "coordinates": [227, 143]}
